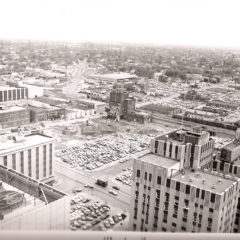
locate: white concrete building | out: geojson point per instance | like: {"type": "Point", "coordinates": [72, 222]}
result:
{"type": "Point", "coordinates": [31, 155]}
{"type": "Point", "coordinates": [171, 193]}
{"type": "Point", "coordinates": [8, 93]}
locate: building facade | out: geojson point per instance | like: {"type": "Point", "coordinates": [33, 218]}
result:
{"type": "Point", "coordinates": [171, 194]}
{"type": "Point", "coordinates": [13, 94]}
{"type": "Point", "coordinates": [31, 155]}
{"type": "Point", "coordinates": [13, 116]}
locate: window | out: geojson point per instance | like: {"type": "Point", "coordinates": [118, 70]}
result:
{"type": "Point", "coordinates": [29, 162]}
{"type": "Point", "coordinates": [201, 206]}
{"type": "Point", "coordinates": [197, 192]}
{"type": "Point", "coordinates": [150, 177]}
{"type": "Point", "coordinates": [194, 216]}
{"type": "Point", "coordinates": [44, 160]}
{"type": "Point", "coordinates": [174, 224]}
{"type": "Point", "coordinates": [134, 227]}
{"type": "Point", "coordinates": [158, 180]}
{"type": "Point", "coordinates": [145, 177]}
{"type": "Point", "coordinates": [203, 194]}
{"type": "Point", "coordinates": [183, 228]}
{"type": "Point", "coordinates": [5, 160]}
{"type": "Point", "coordinates": [186, 202]}
{"type": "Point", "coordinates": [211, 210]}
{"type": "Point", "coordinates": [138, 173]}
{"type": "Point", "coordinates": [213, 196]}
{"type": "Point", "coordinates": [158, 193]}
{"type": "Point", "coordinates": [200, 218]}
{"type": "Point", "coordinates": [37, 163]}
{"type": "Point", "coordinates": [50, 160]}
{"type": "Point", "coordinates": [176, 198]}
{"type": "Point", "coordinates": [149, 188]}
{"type": "Point", "coordinates": [14, 161]}
{"type": "Point", "coordinates": [196, 205]}
{"type": "Point", "coordinates": [187, 191]}
{"type": "Point", "coordinates": [178, 186]}
{"type": "Point", "coordinates": [21, 162]}
{"type": "Point", "coordinates": [209, 222]}
{"type": "Point", "coordinates": [168, 183]}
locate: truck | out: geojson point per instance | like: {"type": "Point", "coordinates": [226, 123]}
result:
{"type": "Point", "coordinates": [102, 182]}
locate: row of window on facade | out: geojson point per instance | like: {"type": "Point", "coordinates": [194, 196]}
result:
{"type": "Point", "coordinates": [5, 161]}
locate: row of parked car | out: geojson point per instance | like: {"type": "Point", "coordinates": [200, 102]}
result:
{"type": "Point", "coordinates": [95, 154]}
{"type": "Point", "coordinates": [125, 177]}
{"type": "Point", "coordinates": [87, 214]}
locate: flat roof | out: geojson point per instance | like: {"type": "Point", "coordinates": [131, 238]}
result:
{"type": "Point", "coordinates": [210, 179]}
{"type": "Point", "coordinates": [12, 109]}
{"type": "Point", "coordinates": [158, 160]}
{"type": "Point", "coordinates": [116, 76]}
{"type": "Point", "coordinates": [25, 142]}
{"type": "Point", "coordinates": [232, 145]}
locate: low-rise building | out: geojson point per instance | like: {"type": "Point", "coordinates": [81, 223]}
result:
{"type": "Point", "coordinates": [234, 106]}
{"type": "Point", "coordinates": [13, 116]}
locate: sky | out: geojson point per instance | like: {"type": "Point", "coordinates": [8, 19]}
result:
{"type": "Point", "coordinates": [171, 22]}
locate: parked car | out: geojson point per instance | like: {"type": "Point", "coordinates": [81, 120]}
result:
{"type": "Point", "coordinates": [113, 192]}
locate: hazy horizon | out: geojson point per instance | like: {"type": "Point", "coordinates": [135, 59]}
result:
{"type": "Point", "coordinates": [187, 23]}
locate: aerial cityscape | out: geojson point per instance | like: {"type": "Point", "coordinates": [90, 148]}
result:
{"type": "Point", "coordinates": [118, 136]}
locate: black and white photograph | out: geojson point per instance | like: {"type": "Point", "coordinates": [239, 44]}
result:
{"type": "Point", "coordinates": [120, 116]}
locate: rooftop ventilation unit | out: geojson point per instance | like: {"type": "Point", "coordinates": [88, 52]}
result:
{"type": "Point", "coordinates": [213, 186]}
{"type": "Point", "coordinates": [220, 181]}
{"type": "Point", "coordinates": [203, 181]}
{"type": "Point", "coordinates": [190, 180]}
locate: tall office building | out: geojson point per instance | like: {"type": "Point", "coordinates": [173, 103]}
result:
{"type": "Point", "coordinates": [32, 155]}
{"type": "Point", "coordinates": [170, 191]}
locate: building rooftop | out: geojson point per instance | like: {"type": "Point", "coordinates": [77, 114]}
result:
{"type": "Point", "coordinates": [23, 143]}
{"type": "Point", "coordinates": [115, 76]}
{"type": "Point", "coordinates": [158, 160]}
{"type": "Point", "coordinates": [11, 109]}
{"type": "Point", "coordinates": [230, 146]}
{"type": "Point", "coordinates": [196, 179]}
{"type": "Point", "coordinates": [14, 202]}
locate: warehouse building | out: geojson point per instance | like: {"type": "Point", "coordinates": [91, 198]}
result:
{"type": "Point", "coordinates": [13, 116]}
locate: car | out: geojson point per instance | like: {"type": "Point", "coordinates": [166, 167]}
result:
{"type": "Point", "coordinates": [111, 221]}
{"type": "Point", "coordinates": [95, 222]}
{"type": "Point", "coordinates": [76, 190]}
{"type": "Point", "coordinates": [73, 228]}
{"type": "Point", "coordinates": [115, 187]}
{"type": "Point", "coordinates": [115, 218]}
{"type": "Point", "coordinates": [120, 217]}
{"type": "Point", "coordinates": [107, 224]}
{"type": "Point", "coordinates": [113, 192]}
{"type": "Point", "coordinates": [103, 217]}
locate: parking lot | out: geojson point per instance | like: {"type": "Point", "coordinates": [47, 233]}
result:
{"type": "Point", "coordinates": [88, 213]}
{"type": "Point", "coordinates": [125, 176]}
{"type": "Point", "coordinates": [96, 153]}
